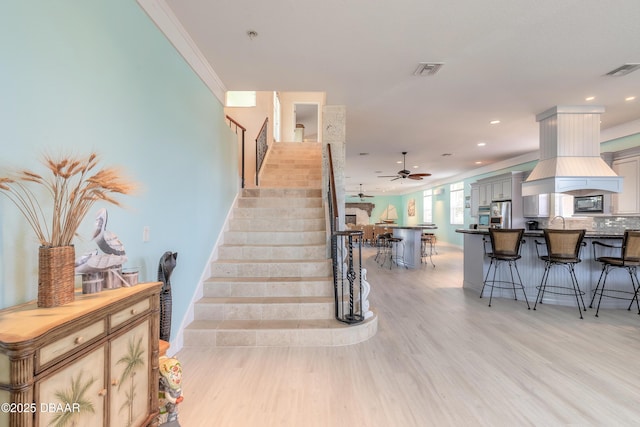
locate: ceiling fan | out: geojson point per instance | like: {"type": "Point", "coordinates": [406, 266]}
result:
{"type": "Point", "coordinates": [361, 194]}
{"type": "Point", "coordinates": [404, 173]}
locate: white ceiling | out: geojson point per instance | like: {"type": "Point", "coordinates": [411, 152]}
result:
{"type": "Point", "coordinates": [504, 60]}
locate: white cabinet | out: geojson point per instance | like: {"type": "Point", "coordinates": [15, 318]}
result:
{"type": "Point", "coordinates": [628, 201]}
{"type": "Point", "coordinates": [501, 190]}
{"type": "Point", "coordinates": [484, 194]}
{"type": "Point", "coordinates": [535, 206]}
{"type": "Point", "coordinates": [475, 199]}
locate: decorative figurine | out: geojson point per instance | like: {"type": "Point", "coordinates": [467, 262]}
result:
{"type": "Point", "coordinates": [110, 260]}
{"type": "Point", "coordinates": [170, 390]}
{"type": "Point", "coordinates": [165, 268]}
{"type": "Point", "coordinates": [107, 241]}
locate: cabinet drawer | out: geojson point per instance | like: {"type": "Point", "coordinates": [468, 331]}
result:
{"type": "Point", "coordinates": [129, 312]}
{"type": "Point", "coordinates": [71, 342]}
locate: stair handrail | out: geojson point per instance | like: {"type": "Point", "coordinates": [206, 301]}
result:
{"type": "Point", "coordinates": [350, 288]}
{"type": "Point", "coordinates": [332, 198]}
{"type": "Point", "coordinates": [244, 130]}
{"type": "Point", "coordinates": [261, 148]}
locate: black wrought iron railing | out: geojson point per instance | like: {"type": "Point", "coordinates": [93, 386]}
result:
{"type": "Point", "coordinates": [261, 147]}
{"type": "Point", "coordinates": [346, 256]}
{"type": "Point", "coordinates": [238, 127]}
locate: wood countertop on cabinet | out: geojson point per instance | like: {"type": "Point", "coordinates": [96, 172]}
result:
{"type": "Point", "coordinates": [27, 321]}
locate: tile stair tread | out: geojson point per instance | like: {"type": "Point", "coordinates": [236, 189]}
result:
{"type": "Point", "coordinates": [271, 261]}
{"type": "Point", "coordinates": [265, 300]}
{"type": "Point", "coordinates": [266, 324]}
{"type": "Point", "coordinates": [269, 279]}
{"type": "Point", "coordinates": [275, 245]}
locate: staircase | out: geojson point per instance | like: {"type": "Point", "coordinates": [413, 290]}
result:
{"type": "Point", "coordinates": [272, 283]}
{"type": "Point", "coordinates": [293, 165]}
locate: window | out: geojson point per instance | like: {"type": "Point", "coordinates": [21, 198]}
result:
{"type": "Point", "coordinates": [239, 98]}
{"type": "Point", "coordinates": [427, 206]}
{"type": "Point", "coordinates": [456, 205]}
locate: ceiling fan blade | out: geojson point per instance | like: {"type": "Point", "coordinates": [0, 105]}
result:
{"type": "Point", "coordinates": [415, 177]}
{"type": "Point", "coordinates": [397, 177]}
{"type": "Point", "coordinates": [419, 174]}
{"type": "Point", "coordinates": [364, 195]}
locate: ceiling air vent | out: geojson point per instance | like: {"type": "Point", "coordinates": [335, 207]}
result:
{"type": "Point", "coordinates": [427, 68]}
{"type": "Point", "coordinates": [623, 70]}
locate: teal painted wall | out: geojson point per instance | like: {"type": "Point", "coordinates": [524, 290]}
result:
{"type": "Point", "coordinates": [98, 75]}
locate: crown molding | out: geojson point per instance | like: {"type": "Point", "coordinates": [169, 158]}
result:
{"type": "Point", "coordinates": [164, 18]}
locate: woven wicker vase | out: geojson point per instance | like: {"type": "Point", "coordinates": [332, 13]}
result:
{"type": "Point", "coordinates": [56, 275]}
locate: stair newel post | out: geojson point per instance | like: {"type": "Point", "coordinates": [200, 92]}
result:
{"type": "Point", "coordinates": [348, 293]}
{"type": "Point", "coordinates": [351, 274]}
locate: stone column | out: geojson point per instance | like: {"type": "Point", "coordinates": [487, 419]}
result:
{"type": "Point", "coordinates": [334, 133]}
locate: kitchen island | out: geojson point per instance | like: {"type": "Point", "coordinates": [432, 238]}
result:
{"type": "Point", "coordinates": [531, 268]}
{"type": "Point", "coordinates": [411, 236]}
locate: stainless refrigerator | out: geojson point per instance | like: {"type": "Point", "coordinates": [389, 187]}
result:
{"type": "Point", "coordinates": [500, 214]}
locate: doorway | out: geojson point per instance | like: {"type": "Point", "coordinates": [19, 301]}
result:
{"type": "Point", "coordinates": [305, 122]}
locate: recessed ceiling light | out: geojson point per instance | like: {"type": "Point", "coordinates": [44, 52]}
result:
{"type": "Point", "coordinates": [416, 167]}
{"type": "Point", "coordinates": [630, 98]}
{"type": "Point", "coordinates": [399, 162]}
{"type": "Point", "coordinates": [481, 144]}
{"type": "Point", "coordinates": [364, 154]}
{"type": "Point", "coordinates": [494, 122]}
{"type": "Point", "coordinates": [590, 98]}
{"type": "Point", "coordinates": [446, 154]}
{"type": "Point", "coordinates": [252, 34]}
{"type": "Point", "coordinates": [478, 163]}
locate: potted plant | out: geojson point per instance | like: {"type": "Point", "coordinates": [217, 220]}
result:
{"type": "Point", "coordinates": [72, 185]}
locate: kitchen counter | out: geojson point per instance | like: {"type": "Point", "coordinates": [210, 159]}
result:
{"type": "Point", "coordinates": [538, 233]}
{"type": "Point", "coordinates": [531, 268]}
{"type": "Point", "coordinates": [411, 236]}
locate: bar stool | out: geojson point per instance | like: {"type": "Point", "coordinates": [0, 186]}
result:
{"type": "Point", "coordinates": [629, 259]}
{"type": "Point", "coordinates": [394, 243]}
{"type": "Point", "coordinates": [563, 248]}
{"type": "Point", "coordinates": [505, 247]}
{"type": "Point", "coordinates": [382, 247]}
{"type": "Point", "coordinates": [427, 241]}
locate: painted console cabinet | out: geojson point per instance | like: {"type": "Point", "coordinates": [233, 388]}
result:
{"type": "Point", "coordinates": [92, 362]}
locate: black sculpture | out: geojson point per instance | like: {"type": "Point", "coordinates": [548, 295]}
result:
{"type": "Point", "coordinates": [166, 266]}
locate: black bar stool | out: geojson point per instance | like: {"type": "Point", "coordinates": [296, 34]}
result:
{"type": "Point", "coordinates": [427, 246]}
{"type": "Point", "coordinates": [629, 259]}
{"type": "Point", "coordinates": [563, 248]}
{"type": "Point", "coordinates": [505, 247]}
{"type": "Point", "coordinates": [396, 243]}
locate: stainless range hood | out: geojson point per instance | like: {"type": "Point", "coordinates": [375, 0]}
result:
{"type": "Point", "coordinates": [570, 159]}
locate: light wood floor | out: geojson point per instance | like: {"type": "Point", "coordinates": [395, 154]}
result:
{"type": "Point", "coordinates": [441, 357]}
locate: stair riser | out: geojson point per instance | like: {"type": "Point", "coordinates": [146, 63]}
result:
{"type": "Point", "coordinates": [268, 289]}
{"type": "Point", "coordinates": [250, 253]}
{"type": "Point", "coordinates": [292, 311]}
{"type": "Point", "coordinates": [272, 202]}
{"type": "Point", "coordinates": [262, 224]}
{"type": "Point", "coordinates": [274, 238]}
{"type": "Point", "coordinates": [274, 269]}
{"type": "Point", "coordinates": [287, 193]}
{"type": "Point", "coordinates": [280, 337]}
{"type": "Point", "coordinates": [291, 184]}
{"type": "Point", "coordinates": [279, 213]}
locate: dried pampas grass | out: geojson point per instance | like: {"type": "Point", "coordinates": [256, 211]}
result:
{"type": "Point", "coordinates": [74, 185]}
